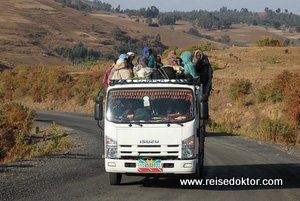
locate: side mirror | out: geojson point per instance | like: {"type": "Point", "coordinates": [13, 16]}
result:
{"type": "Point", "coordinates": [203, 106]}
{"type": "Point", "coordinates": [98, 109]}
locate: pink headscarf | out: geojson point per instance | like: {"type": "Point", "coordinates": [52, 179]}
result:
{"type": "Point", "coordinates": [172, 59]}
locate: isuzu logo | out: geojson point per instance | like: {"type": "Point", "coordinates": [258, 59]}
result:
{"type": "Point", "coordinates": [149, 141]}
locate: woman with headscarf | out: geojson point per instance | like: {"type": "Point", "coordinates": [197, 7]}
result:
{"type": "Point", "coordinates": [172, 59]}
{"type": "Point", "coordinates": [142, 69]}
{"type": "Point", "coordinates": [147, 52]}
{"type": "Point", "coordinates": [188, 65]}
{"type": "Point", "coordinates": [202, 66]}
{"type": "Point", "coordinates": [121, 71]}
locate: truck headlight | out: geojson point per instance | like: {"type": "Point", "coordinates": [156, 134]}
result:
{"type": "Point", "coordinates": [188, 147]}
{"type": "Point", "coordinates": [111, 148]}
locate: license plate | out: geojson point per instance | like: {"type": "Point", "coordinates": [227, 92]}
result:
{"type": "Point", "coordinates": [149, 165]}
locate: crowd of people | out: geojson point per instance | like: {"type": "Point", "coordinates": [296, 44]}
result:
{"type": "Point", "coordinates": [191, 66]}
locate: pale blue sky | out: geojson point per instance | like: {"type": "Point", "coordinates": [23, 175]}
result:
{"type": "Point", "coordinates": [209, 5]}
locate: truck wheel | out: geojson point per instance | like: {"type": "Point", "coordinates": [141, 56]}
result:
{"type": "Point", "coordinates": [114, 178]}
{"type": "Point", "coordinates": [199, 167]}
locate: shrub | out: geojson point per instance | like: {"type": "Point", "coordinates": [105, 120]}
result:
{"type": "Point", "coordinates": [130, 45]}
{"type": "Point", "coordinates": [153, 25]}
{"type": "Point", "coordinates": [38, 82]}
{"type": "Point", "coordinates": [278, 130]}
{"type": "Point", "coordinates": [78, 53]}
{"type": "Point", "coordinates": [274, 91]}
{"type": "Point", "coordinates": [292, 98]}
{"type": "Point", "coordinates": [117, 33]}
{"type": "Point", "coordinates": [88, 86]}
{"type": "Point", "coordinates": [271, 42]}
{"type": "Point", "coordinates": [16, 122]}
{"type": "Point", "coordinates": [239, 88]}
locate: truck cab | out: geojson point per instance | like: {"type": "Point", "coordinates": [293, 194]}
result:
{"type": "Point", "coordinates": [153, 127]}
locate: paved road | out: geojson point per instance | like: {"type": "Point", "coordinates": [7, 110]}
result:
{"type": "Point", "coordinates": [78, 174]}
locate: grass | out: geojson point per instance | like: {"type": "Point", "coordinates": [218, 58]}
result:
{"type": "Point", "coordinates": [278, 130]}
{"type": "Point", "coordinates": [239, 89]}
{"type": "Point", "coordinates": [271, 59]}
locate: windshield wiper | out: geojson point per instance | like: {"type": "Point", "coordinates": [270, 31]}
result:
{"type": "Point", "coordinates": [180, 124]}
{"type": "Point", "coordinates": [137, 123]}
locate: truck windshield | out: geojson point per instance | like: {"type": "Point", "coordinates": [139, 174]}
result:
{"type": "Point", "coordinates": [150, 105]}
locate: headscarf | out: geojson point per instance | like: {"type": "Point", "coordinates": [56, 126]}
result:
{"type": "Point", "coordinates": [171, 59]}
{"type": "Point", "coordinates": [195, 54]}
{"type": "Point", "coordinates": [186, 58]}
{"type": "Point", "coordinates": [146, 49]}
{"type": "Point", "coordinates": [122, 56]}
{"type": "Point", "coordinates": [120, 61]}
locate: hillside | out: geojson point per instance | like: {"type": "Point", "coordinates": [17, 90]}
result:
{"type": "Point", "coordinates": [29, 27]}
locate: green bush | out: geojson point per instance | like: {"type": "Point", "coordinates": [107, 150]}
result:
{"type": "Point", "coordinates": [270, 42]}
{"type": "Point", "coordinates": [78, 54]}
{"type": "Point", "coordinates": [239, 88]}
{"type": "Point", "coordinates": [278, 130]}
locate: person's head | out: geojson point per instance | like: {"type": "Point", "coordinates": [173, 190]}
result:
{"type": "Point", "coordinates": [146, 51]}
{"type": "Point", "coordinates": [198, 54]}
{"type": "Point", "coordinates": [115, 61]}
{"type": "Point", "coordinates": [186, 57]}
{"type": "Point", "coordinates": [158, 58]}
{"type": "Point", "coordinates": [130, 56]}
{"type": "Point", "coordinates": [149, 52]}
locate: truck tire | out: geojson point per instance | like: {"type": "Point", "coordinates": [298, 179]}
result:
{"type": "Point", "coordinates": [114, 178]}
{"type": "Point", "coordinates": [200, 165]}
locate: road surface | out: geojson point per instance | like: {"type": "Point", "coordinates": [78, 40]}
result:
{"type": "Point", "coordinates": [78, 174]}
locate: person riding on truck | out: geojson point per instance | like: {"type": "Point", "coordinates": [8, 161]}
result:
{"type": "Point", "coordinates": [186, 58]}
{"type": "Point", "coordinates": [147, 52]}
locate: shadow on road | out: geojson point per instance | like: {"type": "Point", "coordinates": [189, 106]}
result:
{"type": "Point", "coordinates": [214, 134]}
{"type": "Point", "coordinates": [289, 173]}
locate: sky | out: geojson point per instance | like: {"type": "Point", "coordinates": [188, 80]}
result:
{"type": "Point", "coordinates": [209, 5]}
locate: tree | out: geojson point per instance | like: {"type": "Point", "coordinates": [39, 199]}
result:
{"type": "Point", "coordinates": [118, 9]}
{"type": "Point", "coordinates": [225, 39]}
{"type": "Point", "coordinates": [286, 11]}
{"type": "Point", "coordinates": [157, 37]}
{"type": "Point", "coordinates": [266, 9]}
{"type": "Point", "coordinates": [278, 10]}
{"type": "Point", "coordinates": [152, 12]}
{"type": "Point", "coordinates": [117, 33]}
{"type": "Point", "coordinates": [298, 28]}
{"type": "Point", "coordinates": [287, 41]}
{"type": "Point", "coordinates": [276, 24]}
{"type": "Point", "coordinates": [149, 20]}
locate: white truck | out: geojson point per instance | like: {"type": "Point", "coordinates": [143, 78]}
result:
{"type": "Point", "coordinates": [153, 128]}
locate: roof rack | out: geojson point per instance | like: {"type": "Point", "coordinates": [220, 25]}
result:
{"type": "Point", "coordinates": [152, 81]}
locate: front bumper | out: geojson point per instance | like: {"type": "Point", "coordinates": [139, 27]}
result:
{"type": "Point", "coordinates": [169, 166]}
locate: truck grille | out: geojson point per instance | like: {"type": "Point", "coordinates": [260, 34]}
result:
{"type": "Point", "coordinates": [149, 151]}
